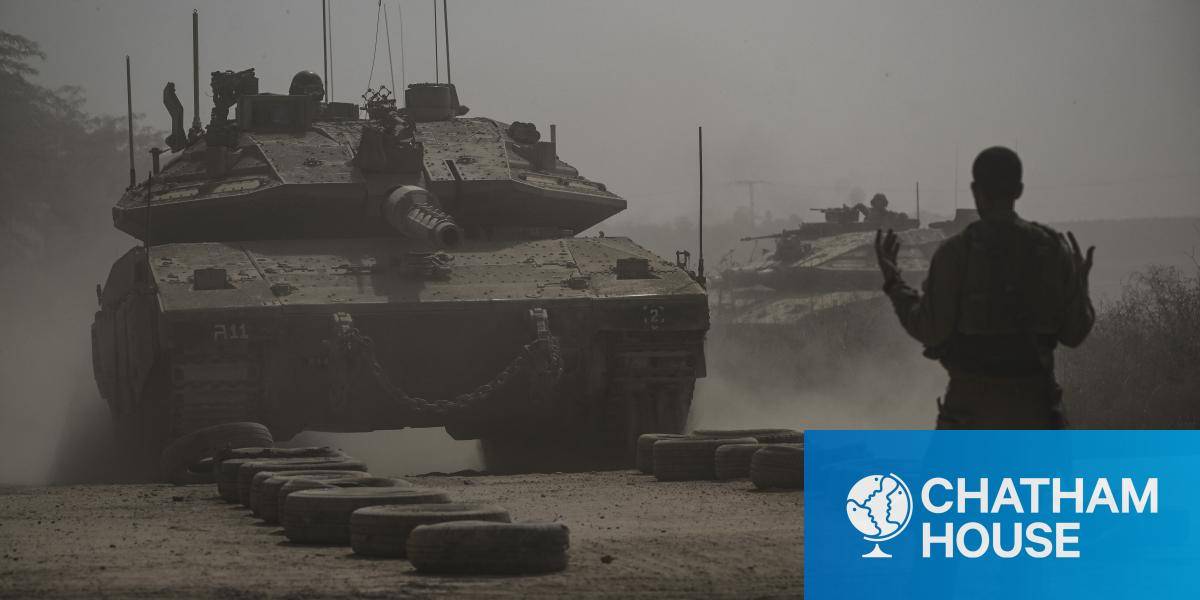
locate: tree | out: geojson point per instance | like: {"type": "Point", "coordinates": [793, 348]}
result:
{"type": "Point", "coordinates": [63, 167]}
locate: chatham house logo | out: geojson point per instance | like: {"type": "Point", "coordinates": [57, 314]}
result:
{"type": "Point", "coordinates": [879, 507]}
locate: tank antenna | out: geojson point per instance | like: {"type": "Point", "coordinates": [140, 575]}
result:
{"type": "Point", "coordinates": [956, 177]}
{"type": "Point", "coordinates": [918, 205]}
{"type": "Point", "coordinates": [129, 114]}
{"type": "Point", "coordinates": [329, 82]}
{"type": "Point", "coordinates": [387, 32]}
{"type": "Point", "coordinates": [437, 58]}
{"type": "Point", "coordinates": [446, 27]}
{"type": "Point", "coordinates": [403, 76]}
{"type": "Point", "coordinates": [700, 263]}
{"type": "Point", "coordinates": [196, 127]}
{"type": "Point", "coordinates": [325, 48]}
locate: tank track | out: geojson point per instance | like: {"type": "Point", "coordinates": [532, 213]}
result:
{"type": "Point", "coordinates": [209, 390]}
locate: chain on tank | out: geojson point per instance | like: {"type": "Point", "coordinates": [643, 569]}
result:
{"type": "Point", "coordinates": [350, 351]}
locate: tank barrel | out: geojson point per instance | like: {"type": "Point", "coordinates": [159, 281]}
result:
{"type": "Point", "coordinates": [416, 214]}
{"type": "Point", "coordinates": [771, 236]}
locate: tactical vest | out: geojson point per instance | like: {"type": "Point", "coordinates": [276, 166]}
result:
{"type": "Point", "coordinates": [1014, 281]}
{"type": "Point", "coordinates": [1013, 295]}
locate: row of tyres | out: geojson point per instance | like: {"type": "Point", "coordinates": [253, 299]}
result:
{"type": "Point", "coordinates": [770, 458]}
{"type": "Point", "coordinates": [322, 496]}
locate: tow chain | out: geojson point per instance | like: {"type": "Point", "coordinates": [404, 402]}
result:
{"type": "Point", "coordinates": [349, 351]}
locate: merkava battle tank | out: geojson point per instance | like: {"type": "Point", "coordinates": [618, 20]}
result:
{"type": "Point", "coordinates": [309, 269]}
{"type": "Point", "coordinates": [819, 265]}
{"type": "Point", "coordinates": [820, 287]}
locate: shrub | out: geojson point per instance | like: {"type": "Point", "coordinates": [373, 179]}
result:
{"type": "Point", "coordinates": [1140, 367]}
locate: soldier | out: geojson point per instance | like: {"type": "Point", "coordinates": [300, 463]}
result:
{"type": "Point", "coordinates": [999, 297]}
{"type": "Point", "coordinates": [307, 83]}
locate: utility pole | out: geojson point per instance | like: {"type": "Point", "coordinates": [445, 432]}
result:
{"type": "Point", "coordinates": [750, 183]}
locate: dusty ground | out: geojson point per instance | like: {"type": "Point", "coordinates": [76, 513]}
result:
{"type": "Point", "coordinates": [631, 536]}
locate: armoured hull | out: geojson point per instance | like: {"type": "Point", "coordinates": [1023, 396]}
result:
{"type": "Point", "coordinates": [490, 339]}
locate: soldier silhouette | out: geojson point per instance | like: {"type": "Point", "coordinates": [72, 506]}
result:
{"type": "Point", "coordinates": [999, 298]}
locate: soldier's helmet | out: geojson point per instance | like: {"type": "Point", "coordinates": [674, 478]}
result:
{"type": "Point", "coordinates": [307, 83]}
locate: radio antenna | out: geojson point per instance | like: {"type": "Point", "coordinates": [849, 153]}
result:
{"type": "Point", "coordinates": [329, 82]}
{"type": "Point", "coordinates": [700, 148]}
{"type": "Point", "coordinates": [446, 27]}
{"type": "Point", "coordinates": [437, 65]}
{"type": "Point", "coordinates": [196, 127]}
{"type": "Point", "coordinates": [129, 114]}
{"type": "Point", "coordinates": [918, 204]}
{"type": "Point", "coordinates": [325, 48]}
{"type": "Point", "coordinates": [403, 77]}
{"type": "Point", "coordinates": [956, 177]}
{"type": "Point", "coordinates": [387, 31]}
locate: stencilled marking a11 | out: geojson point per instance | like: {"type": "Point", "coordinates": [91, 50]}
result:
{"type": "Point", "coordinates": [229, 332]}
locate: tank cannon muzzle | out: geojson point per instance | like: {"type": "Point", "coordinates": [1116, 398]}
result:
{"type": "Point", "coordinates": [416, 214]}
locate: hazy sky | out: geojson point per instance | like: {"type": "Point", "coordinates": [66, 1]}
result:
{"type": "Point", "coordinates": [1100, 97]}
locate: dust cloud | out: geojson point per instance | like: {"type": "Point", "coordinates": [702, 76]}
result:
{"type": "Point", "coordinates": [54, 426]}
{"type": "Point", "coordinates": [852, 369]}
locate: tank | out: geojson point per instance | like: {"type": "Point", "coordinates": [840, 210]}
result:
{"type": "Point", "coordinates": [817, 297]}
{"type": "Point", "coordinates": [962, 218]}
{"type": "Point", "coordinates": [836, 255]}
{"type": "Point", "coordinates": [803, 277]}
{"type": "Point", "coordinates": [319, 266]}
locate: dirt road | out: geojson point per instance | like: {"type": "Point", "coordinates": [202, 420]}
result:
{"type": "Point", "coordinates": [631, 536]}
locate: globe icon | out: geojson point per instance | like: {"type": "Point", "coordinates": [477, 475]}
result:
{"type": "Point", "coordinates": [879, 507]}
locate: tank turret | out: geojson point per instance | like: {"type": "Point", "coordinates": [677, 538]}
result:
{"type": "Point", "coordinates": [292, 166]}
{"type": "Point", "coordinates": [962, 218]}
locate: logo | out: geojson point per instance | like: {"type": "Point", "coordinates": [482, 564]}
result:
{"type": "Point", "coordinates": [879, 507]}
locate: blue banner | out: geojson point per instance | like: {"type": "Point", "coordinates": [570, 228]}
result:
{"type": "Point", "coordinates": [1002, 514]}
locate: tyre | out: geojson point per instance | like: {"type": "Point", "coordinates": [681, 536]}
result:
{"type": "Point", "coordinates": [258, 485]}
{"type": "Point", "coordinates": [778, 466]}
{"type": "Point", "coordinates": [732, 461]}
{"type": "Point", "coordinates": [645, 449]}
{"type": "Point", "coordinates": [764, 436]}
{"type": "Point", "coordinates": [384, 530]}
{"type": "Point", "coordinates": [302, 483]}
{"type": "Point", "coordinates": [689, 458]}
{"type": "Point", "coordinates": [247, 470]}
{"type": "Point", "coordinates": [322, 516]}
{"type": "Point", "coordinates": [486, 548]}
{"type": "Point", "coordinates": [227, 462]}
{"type": "Point", "coordinates": [270, 498]}
{"type": "Point", "coordinates": [180, 458]}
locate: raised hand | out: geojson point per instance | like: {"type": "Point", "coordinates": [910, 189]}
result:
{"type": "Point", "coordinates": [1083, 264]}
{"type": "Point", "coordinates": [887, 252]}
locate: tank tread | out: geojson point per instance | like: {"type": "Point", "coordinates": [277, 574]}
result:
{"type": "Point", "coordinates": [210, 390]}
{"type": "Point", "coordinates": [658, 356]}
